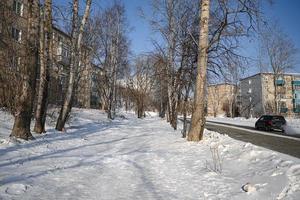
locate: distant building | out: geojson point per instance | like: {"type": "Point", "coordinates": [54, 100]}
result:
{"type": "Point", "coordinates": [221, 100]}
{"type": "Point", "coordinates": [257, 94]}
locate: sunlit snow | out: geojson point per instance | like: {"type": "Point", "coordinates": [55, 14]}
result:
{"type": "Point", "coordinates": [131, 158]}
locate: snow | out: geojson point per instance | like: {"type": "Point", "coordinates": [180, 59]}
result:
{"type": "Point", "coordinates": [130, 158]}
{"type": "Point", "coordinates": [292, 126]}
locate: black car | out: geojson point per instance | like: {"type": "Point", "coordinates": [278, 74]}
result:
{"type": "Point", "coordinates": [270, 122]}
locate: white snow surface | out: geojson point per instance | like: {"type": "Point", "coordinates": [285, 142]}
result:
{"type": "Point", "coordinates": [130, 158]}
{"type": "Point", "coordinates": [292, 126]}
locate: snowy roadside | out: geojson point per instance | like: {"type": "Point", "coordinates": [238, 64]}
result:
{"type": "Point", "coordinates": [131, 158]}
{"type": "Point", "coordinates": [292, 127]}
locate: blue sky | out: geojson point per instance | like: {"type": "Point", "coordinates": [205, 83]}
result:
{"type": "Point", "coordinates": [287, 12]}
{"type": "Point", "coordinates": [288, 15]}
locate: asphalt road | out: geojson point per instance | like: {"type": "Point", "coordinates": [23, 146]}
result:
{"type": "Point", "coordinates": [269, 140]}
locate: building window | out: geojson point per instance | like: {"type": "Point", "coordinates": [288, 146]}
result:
{"type": "Point", "coordinates": [63, 80]}
{"type": "Point", "coordinates": [18, 7]}
{"type": "Point", "coordinates": [283, 107]}
{"type": "Point", "coordinates": [16, 34]}
{"type": "Point", "coordinates": [250, 90]}
{"type": "Point", "coordinates": [250, 99]}
{"type": "Point", "coordinates": [59, 40]}
{"type": "Point", "coordinates": [250, 81]}
{"type": "Point", "coordinates": [15, 62]}
{"type": "Point", "coordinates": [65, 52]}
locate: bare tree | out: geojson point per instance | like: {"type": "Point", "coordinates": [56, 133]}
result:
{"type": "Point", "coordinates": [111, 48]}
{"type": "Point", "coordinates": [174, 20]}
{"type": "Point", "coordinates": [76, 38]}
{"type": "Point", "coordinates": [229, 20]}
{"type": "Point", "coordinates": [281, 52]}
{"type": "Point", "coordinates": [45, 48]}
{"type": "Point", "coordinates": [141, 83]}
{"type": "Point", "coordinates": [24, 98]}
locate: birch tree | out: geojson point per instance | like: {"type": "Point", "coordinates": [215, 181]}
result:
{"type": "Point", "coordinates": [229, 21]}
{"type": "Point", "coordinates": [198, 115]}
{"type": "Point", "coordinates": [76, 38]}
{"type": "Point", "coordinates": [111, 48]}
{"type": "Point", "coordinates": [173, 19]}
{"type": "Point", "coordinates": [45, 49]}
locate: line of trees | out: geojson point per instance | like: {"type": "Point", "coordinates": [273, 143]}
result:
{"type": "Point", "coordinates": [199, 42]}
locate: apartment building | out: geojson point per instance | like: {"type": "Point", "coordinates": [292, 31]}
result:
{"type": "Point", "coordinates": [60, 71]}
{"type": "Point", "coordinates": [257, 94]}
{"type": "Point", "coordinates": [221, 100]}
{"type": "Point", "coordinates": [12, 35]}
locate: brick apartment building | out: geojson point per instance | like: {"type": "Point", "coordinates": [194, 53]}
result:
{"type": "Point", "coordinates": [257, 95]}
{"type": "Point", "coordinates": [12, 35]}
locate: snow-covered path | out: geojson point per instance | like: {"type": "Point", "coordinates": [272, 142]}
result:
{"type": "Point", "coordinates": [140, 159]}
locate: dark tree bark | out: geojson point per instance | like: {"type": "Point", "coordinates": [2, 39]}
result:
{"type": "Point", "coordinates": [25, 97]}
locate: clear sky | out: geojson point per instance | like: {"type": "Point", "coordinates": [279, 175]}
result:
{"type": "Point", "coordinates": [287, 12]}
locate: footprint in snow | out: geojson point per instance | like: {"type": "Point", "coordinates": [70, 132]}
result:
{"type": "Point", "coordinates": [16, 189]}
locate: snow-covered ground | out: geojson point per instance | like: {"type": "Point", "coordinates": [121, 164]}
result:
{"type": "Point", "coordinates": [292, 126]}
{"type": "Point", "coordinates": [131, 158]}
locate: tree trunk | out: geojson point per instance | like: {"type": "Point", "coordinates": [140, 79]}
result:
{"type": "Point", "coordinates": [170, 62]}
{"type": "Point", "coordinates": [74, 64]}
{"type": "Point", "coordinates": [25, 97]}
{"type": "Point", "coordinates": [276, 107]}
{"type": "Point", "coordinates": [45, 65]}
{"type": "Point", "coordinates": [110, 102]}
{"type": "Point", "coordinates": [187, 91]}
{"type": "Point", "coordinates": [198, 115]}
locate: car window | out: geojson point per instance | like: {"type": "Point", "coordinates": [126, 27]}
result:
{"type": "Point", "coordinates": [279, 118]}
{"type": "Point", "coordinates": [267, 117]}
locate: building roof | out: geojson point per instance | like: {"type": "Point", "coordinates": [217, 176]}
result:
{"type": "Point", "coordinates": [61, 31]}
{"type": "Point", "coordinates": [219, 84]}
{"type": "Point", "coordinates": [70, 37]}
{"type": "Point", "coordinates": [270, 73]}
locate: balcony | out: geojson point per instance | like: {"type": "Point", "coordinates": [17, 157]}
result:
{"type": "Point", "coordinates": [284, 110]}
{"type": "Point", "coordinates": [296, 101]}
{"type": "Point", "coordinates": [63, 55]}
{"type": "Point", "coordinates": [296, 110]}
{"type": "Point", "coordinates": [296, 83]}
{"type": "Point", "coordinates": [280, 82]}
